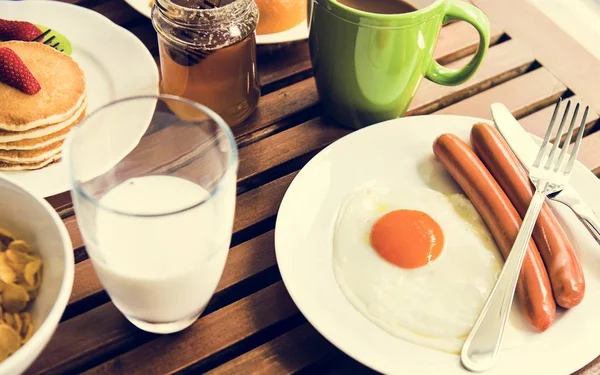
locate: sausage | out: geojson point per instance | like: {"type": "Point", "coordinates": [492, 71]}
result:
{"type": "Point", "coordinates": [533, 287]}
{"type": "Point", "coordinates": [562, 265]}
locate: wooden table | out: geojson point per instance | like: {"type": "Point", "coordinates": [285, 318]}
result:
{"type": "Point", "coordinates": [251, 325]}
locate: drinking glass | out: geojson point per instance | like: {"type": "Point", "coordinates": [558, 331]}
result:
{"type": "Point", "coordinates": [154, 185]}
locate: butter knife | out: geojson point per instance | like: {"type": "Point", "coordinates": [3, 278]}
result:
{"type": "Point", "coordinates": [525, 149]}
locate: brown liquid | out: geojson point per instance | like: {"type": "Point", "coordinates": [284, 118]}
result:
{"type": "Point", "coordinates": [379, 6]}
{"type": "Point", "coordinates": [223, 80]}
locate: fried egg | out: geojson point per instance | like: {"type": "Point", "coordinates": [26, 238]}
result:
{"type": "Point", "coordinates": [417, 263]}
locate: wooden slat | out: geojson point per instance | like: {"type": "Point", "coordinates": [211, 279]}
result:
{"type": "Point", "coordinates": [209, 335]}
{"type": "Point", "coordinates": [60, 201]}
{"type": "Point", "coordinates": [248, 259]}
{"type": "Point", "coordinates": [276, 65]}
{"type": "Point", "coordinates": [286, 354]}
{"type": "Point", "coordinates": [84, 337]}
{"type": "Point", "coordinates": [537, 123]}
{"type": "Point", "coordinates": [503, 62]}
{"type": "Point", "coordinates": [589, 154]}
{"type": "Point", "coordinates": [261, 203]}
{"type": "Point", "coordinates": [252, 207]}
{"type": "Point", "coordinates": [275, 107]}
{"type": "Point", "coordinates": [521, 95]}
{"type": "Point", "coordinates": [74, 233]}
{"type": "Point", "coordinates": [288, 145]}
{"type": "Point", "coordinates": [569, 61]}
{"type": "Point", "coordinates": [86, 282]}
{"type": "Point", "coordinates": [460, 39]}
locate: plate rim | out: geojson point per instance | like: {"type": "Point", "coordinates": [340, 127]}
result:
{"type": "Point", "coordinates": [260, 39]}
{"type": "Point", "coordinates": [310, 316]}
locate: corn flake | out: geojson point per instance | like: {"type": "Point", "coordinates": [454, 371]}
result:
{"type": "Point", "coordinates": [20, 280]}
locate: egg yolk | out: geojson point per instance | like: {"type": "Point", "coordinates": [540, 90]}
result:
{"type": "Point", "coordinates": [407, 238]}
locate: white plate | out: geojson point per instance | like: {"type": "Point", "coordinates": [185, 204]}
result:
{"type": "Point", "coordinates": [115, 62]}
{"type": "Point", "coordinates": [394, 153]}
{"type": "Point", "coordinates": [298, 32]}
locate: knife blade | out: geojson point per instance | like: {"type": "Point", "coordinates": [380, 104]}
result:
{"type": "Point", "coordinates": [526, 149]}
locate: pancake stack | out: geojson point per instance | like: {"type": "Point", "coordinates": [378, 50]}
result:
{"type": "Point", "coordinates": [33, 127]}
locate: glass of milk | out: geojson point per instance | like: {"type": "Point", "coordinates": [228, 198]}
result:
{"type": "Point", "coordinates": [154, 185]}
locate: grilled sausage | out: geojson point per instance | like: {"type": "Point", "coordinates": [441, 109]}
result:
{"type": "Point", "coordinates": [533, 288]}
{"type": "Point", "coordinates": [562, 265]}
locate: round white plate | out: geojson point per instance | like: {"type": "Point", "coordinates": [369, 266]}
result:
{"type": "Point", "coordinates": [395, 153]}
{"type": "Point", "coordinates": [115, 62]}
{"type": "Point", "coordinates": [298, 32]}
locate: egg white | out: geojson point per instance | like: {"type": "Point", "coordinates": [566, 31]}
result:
{"type": "Point", "coordinates": [435, 305]}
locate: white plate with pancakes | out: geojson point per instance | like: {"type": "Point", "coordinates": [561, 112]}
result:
{"type": "Point", "coordinates": [71, 88]}
{"type": "Point", "coordinates": [400, 321]}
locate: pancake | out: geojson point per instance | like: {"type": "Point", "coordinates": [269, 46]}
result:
{"type": "Point", "coordinates": [28, 166]}
{"type": "Point", "coordinates": [31, 156]}
{"type": "Point", "coordinates": [11, 136]}
{"type": "Point", "coordinates": [63, 89]}
{"type": "Point", "coordinates": [46, 140]}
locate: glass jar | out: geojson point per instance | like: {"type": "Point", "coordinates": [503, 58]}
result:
{"type": "Point", "coordinates": [208, 54]}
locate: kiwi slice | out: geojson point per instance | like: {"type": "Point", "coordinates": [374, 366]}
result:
{"type": "Point", "coordinates": [64, 45]}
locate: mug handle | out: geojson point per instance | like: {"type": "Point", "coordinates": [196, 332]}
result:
{"type": "Point", "coordinates": [459, 10]}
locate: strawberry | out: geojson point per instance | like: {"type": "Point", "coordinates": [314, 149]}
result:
{"type": "Point", "coordinates": [14, 73]}
{"type": "Point", "coordinates": [18, 30]}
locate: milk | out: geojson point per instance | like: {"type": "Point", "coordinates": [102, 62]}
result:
{"type": "Point", "coordinates": [161, 268]}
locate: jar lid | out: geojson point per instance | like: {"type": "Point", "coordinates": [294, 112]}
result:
{"type": "Point", "coordinates": [205, 24]}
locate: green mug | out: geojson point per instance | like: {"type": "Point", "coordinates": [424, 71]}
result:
{"type": "Point", "coordinates": [368, 66]}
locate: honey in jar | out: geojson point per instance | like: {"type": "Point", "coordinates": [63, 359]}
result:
{"type": "Point", "coordinates": [208, 54]}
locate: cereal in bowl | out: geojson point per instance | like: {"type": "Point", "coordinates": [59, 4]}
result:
{"type": "Point", "coordinates": [20, 279]}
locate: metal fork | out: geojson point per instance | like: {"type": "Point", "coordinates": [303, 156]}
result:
{"type": "Point", "coordinates": [48, 41]}
{"type": "Point", "coordinates": [549, 174]}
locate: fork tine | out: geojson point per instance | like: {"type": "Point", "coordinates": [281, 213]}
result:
{"type": "Point", "coordinates": [49, 40]}
{"type": "Point", "coordinates": [540, 155]}
{"type": "Point", "coordinates": [571, 163]}
{"type": "Point", "coordinates": [558, 136]}
{"type": "Point", "coordinates": [567, 142]}
{"type": "Point", "coordinates": [41, 36]}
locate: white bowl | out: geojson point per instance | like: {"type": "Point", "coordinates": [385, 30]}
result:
{"type": "Point", "coordinates": [35, 221]}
